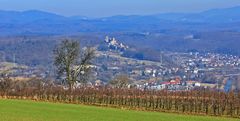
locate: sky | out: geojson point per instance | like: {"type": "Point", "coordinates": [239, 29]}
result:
{"type": "Point", "coordinates": [102, 8]}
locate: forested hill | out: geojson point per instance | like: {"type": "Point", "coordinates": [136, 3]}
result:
{"type": "Point", "coordinates": [29, 35]}
{"type": "Point", "coordinates": [39, 22]}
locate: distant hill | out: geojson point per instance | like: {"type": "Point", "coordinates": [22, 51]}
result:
{"type": "Point", "coordinates": [14, 17]}
{"type": "Point", "coordinates": [216, 30]}
{"type": "Point", "coordinates": [39, 22]}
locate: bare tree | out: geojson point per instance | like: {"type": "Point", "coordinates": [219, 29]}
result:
{"type": "Point", "coordinates": [6, 84]}
{"type": "Point", "coordinates": [73, 64]}
{"type": "Point", "coordinates": [120, 81]}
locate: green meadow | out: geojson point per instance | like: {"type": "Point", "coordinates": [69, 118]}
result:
{"type": "Point", "coordinates": [21, 110]}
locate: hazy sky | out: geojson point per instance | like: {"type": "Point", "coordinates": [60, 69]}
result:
{"type": "Point", "coordinates": [99, 8]}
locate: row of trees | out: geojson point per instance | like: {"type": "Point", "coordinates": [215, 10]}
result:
{"type": "Point", "coordinates": [202, 102]}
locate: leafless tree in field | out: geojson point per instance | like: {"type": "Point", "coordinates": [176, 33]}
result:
{"type": "Point", "coordinates": [72, 62]}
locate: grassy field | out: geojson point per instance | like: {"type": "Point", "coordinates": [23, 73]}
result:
{"type": "Point", "coordinates": [16, 110]}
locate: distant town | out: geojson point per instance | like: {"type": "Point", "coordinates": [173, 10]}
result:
{"type": "Point", "coordinates": [175, 71]}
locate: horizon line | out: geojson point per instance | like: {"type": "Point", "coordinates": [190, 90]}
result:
{"type": "Point", "coordinates": [96, 17]}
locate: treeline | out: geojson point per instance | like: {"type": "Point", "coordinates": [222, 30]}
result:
{"type": "Point", "coordinates": [198, 102]}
